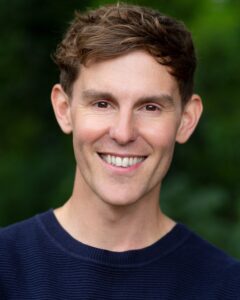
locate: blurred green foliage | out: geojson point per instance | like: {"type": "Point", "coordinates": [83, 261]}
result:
{"type": "Point", "coordinates": [36, 161]}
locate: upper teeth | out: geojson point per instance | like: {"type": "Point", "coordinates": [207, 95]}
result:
{"type": "Point", "coordinates": [121, 161]}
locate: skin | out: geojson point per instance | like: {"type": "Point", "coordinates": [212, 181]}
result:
{"type": "Point", "coordinates": [128, 106]}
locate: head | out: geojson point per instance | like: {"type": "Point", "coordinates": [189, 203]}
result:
{"type": "Point", "coordinates": [125, 73]}
{"type": "Point", "coordinates": [114, 30]}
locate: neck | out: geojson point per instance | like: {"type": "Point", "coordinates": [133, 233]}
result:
{"type": "Point", "coordinates": [114, 228]}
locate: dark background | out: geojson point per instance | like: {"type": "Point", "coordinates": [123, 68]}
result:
{"type": "Point", "coordinates": [36, 161]}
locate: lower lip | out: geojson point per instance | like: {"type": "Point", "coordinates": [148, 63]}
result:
{"type": "Point", "coordinates": [122, 170]}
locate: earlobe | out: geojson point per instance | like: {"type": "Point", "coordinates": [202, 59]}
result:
{"type": "Point", "coordinates": [61, 107]}
{"type": "Point", "coordinates": [190, 118]}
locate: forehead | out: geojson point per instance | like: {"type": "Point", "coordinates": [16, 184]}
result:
{"type": "Point", "coordinates": [132, 75]}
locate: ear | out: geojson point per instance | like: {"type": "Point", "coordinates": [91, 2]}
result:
{"type": "Point", "coordinates": [61, 107]}
{"type": "Point", "coordinates": [190, 116]}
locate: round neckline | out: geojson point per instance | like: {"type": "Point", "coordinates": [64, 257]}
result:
{"type": "Point", "coordinates": [168, 243]}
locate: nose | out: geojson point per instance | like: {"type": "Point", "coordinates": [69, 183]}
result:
{"type": "Point", "coordinates": [123, 129]}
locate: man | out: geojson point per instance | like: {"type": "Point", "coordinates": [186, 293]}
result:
{"type": "Point", "coordinates": [126, 96]}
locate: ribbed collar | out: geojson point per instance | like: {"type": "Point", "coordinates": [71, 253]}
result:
{"type": "Point", "coordinates": [62, 239]}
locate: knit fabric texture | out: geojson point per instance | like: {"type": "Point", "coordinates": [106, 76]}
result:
{"type": "Point", "coordinates": [39, 260]}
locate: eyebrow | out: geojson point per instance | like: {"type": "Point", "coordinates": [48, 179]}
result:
{"type": "Point", "coordinates": [92, 94]}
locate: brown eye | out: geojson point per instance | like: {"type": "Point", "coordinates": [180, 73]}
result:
{"type": "Point", "coordinates": [151, 107]}
{"type": "Point", "coordinates": [102, 104]}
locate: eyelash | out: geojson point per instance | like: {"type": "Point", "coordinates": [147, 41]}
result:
{"type": "Point", "coordinates": [154, 106]}
{"type": "Point", "coordinates": [102, 104]}
{"type": "Point", "coordinates": [99, 103]}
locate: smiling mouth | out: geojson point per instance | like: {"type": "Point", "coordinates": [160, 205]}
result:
{"type": "Point", "coordinates": [123, 162]}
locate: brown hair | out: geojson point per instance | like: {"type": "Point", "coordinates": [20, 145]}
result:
{"type": "Point", "coordinates": [114, 30]}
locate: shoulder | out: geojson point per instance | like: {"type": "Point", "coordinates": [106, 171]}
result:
{"type": "Point", "coordinates": [207, 251]}
{"type": "Point", "coordinates": [20, 237]}
{"type": "Point", "coordinates": [229, 282]}
{"type": "Point", "coordinates": [15, 244]}
{"type": "Point", "coordinates": [217, 268]}
{"type": "Point", "coordinates": [15, 232]}
{"type": "Point", "coordinates": [197, 251]}
{"type": "Point", "coordinates": [22, 246]}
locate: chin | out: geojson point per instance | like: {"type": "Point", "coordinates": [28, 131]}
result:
{"type": "Point", "coordinates": [119, 199]}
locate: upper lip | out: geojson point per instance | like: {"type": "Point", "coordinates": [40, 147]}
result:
{"type": "Point", "coordinates": [122, 154]}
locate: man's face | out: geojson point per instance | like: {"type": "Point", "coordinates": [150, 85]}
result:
{"type": "Point", "coordinates": [125, 114]}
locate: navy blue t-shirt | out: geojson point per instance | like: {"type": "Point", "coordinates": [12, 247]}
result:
{"type": "Point", "coordinates": [39, 260]}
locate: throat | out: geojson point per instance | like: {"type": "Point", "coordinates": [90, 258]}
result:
{"type": "Point", "coordinates": [122, 234]}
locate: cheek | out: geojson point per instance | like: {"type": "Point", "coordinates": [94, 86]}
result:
{"type": "Point", "coordinates": [88, 128]}
{"type": "Point", "coordinates": [160, 134]}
